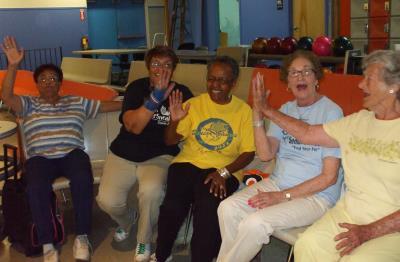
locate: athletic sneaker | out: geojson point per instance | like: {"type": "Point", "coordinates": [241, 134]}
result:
{"type": "Point", "coordinates": [142, 252]}
{"type": "Point", "coordinates": [120, 233]}
{"type": "Point", "coordinates": [82, 248]}
{"type": "Point", "coordinates": [51, 256]}
{"type": "Point", "coordinates": [154, 259]}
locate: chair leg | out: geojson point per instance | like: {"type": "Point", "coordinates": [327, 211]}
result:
{"type": "Point", "coordinates": [189, 219]}
{"type": "Point", "coordinates": [290, 257]}
{"type": "Point", "coordinates": [65, 199]}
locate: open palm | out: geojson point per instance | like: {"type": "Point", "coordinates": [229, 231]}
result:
{"type": "Point", "coordinates": [175, 106]}
{"type": "Point", "coordinates": [10, 48]}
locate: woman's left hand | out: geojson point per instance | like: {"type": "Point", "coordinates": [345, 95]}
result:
{"type": "Point", "coordinates": [217, 184]}
{"type": "Point", "coordinates": [352, 238]}
{"type": "Point", "coordinates": [265, 199]}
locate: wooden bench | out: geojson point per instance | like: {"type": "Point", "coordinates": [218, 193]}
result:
{"type": "Point", "coordinates": [87, 70]}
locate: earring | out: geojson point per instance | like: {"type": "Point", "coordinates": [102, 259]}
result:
{"type": "Point", "coordinates": [391, 91]}
{"type": "Point", "coordinates": [316, 86]}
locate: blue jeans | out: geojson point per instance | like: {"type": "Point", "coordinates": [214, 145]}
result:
{"type": "Point", "coordinates": [41, 173]}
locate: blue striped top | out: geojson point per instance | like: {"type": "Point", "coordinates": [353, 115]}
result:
{"type": "Point", "coordinates": [52, 131]}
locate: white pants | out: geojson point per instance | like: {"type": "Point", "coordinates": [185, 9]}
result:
{"type": "Point", "coordinates": [245, 229]}
{"type": "Point", "coordinates": [118, 178]}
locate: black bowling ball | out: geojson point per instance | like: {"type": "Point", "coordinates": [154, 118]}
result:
{"type": "Point", "coordinates": [340, 45]}
{"type": "Point", "coordinates": [305, 43]}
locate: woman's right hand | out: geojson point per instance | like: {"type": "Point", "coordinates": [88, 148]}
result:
{"type": "Point", "coordinates": [175, 106]}
{"type": "Point", "coordinates": [260, 95]}
{"type": "Point", "coordinates": [10, 48]}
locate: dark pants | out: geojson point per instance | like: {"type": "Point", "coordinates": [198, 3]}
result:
{"type": "Point", "coordinates": [185, 186]}
{"type": "Point", "coordinates": [41, 173]}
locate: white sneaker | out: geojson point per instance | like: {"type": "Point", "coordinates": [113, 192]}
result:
{"type": "Point", "coordinates": [142, 252]}
{"type": "Point", "coordinates": [51, 256]}
{"type": "Point", "coordinates": [81, 248]}
{"type": "Point", "coordinates": [154, 259]}
{"type": "Point", "coordinates": [120, 233]}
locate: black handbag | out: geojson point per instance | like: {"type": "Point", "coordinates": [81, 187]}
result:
{"type": "Point", "coordinates": [18, 225]}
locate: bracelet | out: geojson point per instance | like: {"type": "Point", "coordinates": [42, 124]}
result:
{"type": "Point", "coordinates": [158, 95]}
{"type": "Point", "coordinates": [155, 99]}
{"type": "Point", "coordinates": [151, 105]}
{"type": "Point", "coordinates": [224, 173]}
{"type": "Point", "coordinates": [258, 123]}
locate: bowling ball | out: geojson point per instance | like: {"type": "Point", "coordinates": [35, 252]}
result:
{"type": "Point", "coordinates": [322, 46]}
{"type": "Point", "coordinates": [273, 46]}
{"type": "Point", "coordinates": [340, 45]}
{"type": "Point", "coordinates": [305, 43]}
{"type": "Point", "coordinates": [288, 45]}
{"type": "Point", "coordinates": [259, 45]}
{"type": "Point", "coordinates": [327, 70]}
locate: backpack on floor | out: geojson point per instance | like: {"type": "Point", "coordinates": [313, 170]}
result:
{"type": "Point", "coordinates": [18, 225]}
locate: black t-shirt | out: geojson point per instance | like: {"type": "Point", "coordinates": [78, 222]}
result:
{"type": "Point", "coordinates": [150, 142]}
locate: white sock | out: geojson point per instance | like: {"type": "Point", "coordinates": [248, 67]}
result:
{"type": "Point", "coordinates": [47, 247]}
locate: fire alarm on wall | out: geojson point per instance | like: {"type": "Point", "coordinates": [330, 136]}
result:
{"type": "Point", "coordinates": [82, 14]}
{"type": "Point", "coordinates": [279, 4]}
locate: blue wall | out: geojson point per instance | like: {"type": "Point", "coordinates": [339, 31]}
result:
{"type": "Point", "coordinates": [261, 18]}
{"type": "Point", "coordinates": [44, 28]}
{"type": "Point", "coordinates": [107, 21]}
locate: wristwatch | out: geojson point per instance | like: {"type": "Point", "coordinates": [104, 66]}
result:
{"type": "Point", "coordinates": [288, 196]}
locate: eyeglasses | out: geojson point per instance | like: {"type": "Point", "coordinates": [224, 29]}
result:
{"type": "Point", "coordinates": [159, 65]}
{"type": "Point", "coordinates": [304, 73]}
{"type": "Point", "coordinates": [48, 80]}
{"type": "Point", "coordinates": [221, 81]}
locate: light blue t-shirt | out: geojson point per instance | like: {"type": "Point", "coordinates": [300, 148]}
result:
{"type": "Point", "coordinates": [296, 162]}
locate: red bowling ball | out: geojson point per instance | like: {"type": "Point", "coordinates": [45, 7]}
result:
{"type": "Point", "coordinates": [259, 45]}
{"type": "Point", "coordinates": [322, 46]}
{"type": "Point", "coordinates": [273, 46]}
{"type": "Point", "coordinates": [288, 45]}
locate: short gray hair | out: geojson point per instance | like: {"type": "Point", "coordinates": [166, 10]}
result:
{"type": "Point", "coordinates": [390, 60]}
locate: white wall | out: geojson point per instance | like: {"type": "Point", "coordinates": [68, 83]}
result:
{"type": "Point", "coordinates": [42, 3]}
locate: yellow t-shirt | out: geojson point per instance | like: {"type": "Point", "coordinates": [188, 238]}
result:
{"type": "Point", "coordinates": [215, 135]}
{"type": "Point", "coordinates": [371, 160]}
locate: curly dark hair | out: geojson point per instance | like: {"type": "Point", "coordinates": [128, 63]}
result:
{"type": "Point", "coordinates": [50, 67]}
{"type": "Point", "coordinates": [310, 56]}
{"type": "Point", "coordinates": [161, 51]}
{"type": "Point", "coordinates": [229, 61]}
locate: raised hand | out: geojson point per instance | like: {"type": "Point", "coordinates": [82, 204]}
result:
{"type": "Point", "coordinates": [165, 83]}
{"type": "Point", "coordinates": [260, 95]}
{"type": "Point", "coordinates": [175, 106]}
{"type": "Point", "coordinates": [10, 48]}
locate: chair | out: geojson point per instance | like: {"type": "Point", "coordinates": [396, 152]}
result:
{"type": "Point", "coordinates": [87, 70]}
{"type": "Point", "coordinates": [289, 236]}
{"type": "Point", "coordinates": [239, 53]}
{"type": "Point", "coordinates": [158, 39]}
{"type": "Point", "coordinates": [98, 135]}
{"type": "Point", "coordinates": [352, 62]}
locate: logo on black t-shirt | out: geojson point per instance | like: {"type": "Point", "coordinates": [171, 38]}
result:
{"type": "Point", "coordinates": [162, 116]}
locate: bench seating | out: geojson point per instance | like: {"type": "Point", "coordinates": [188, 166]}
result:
{"type": "Point", "coordinates": [194, 77]}
{"type": "Point", "coordinates": [87, 70]}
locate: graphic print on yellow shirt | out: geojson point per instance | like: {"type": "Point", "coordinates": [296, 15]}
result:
{"type": "Point", "coordinates": [215, 135]}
